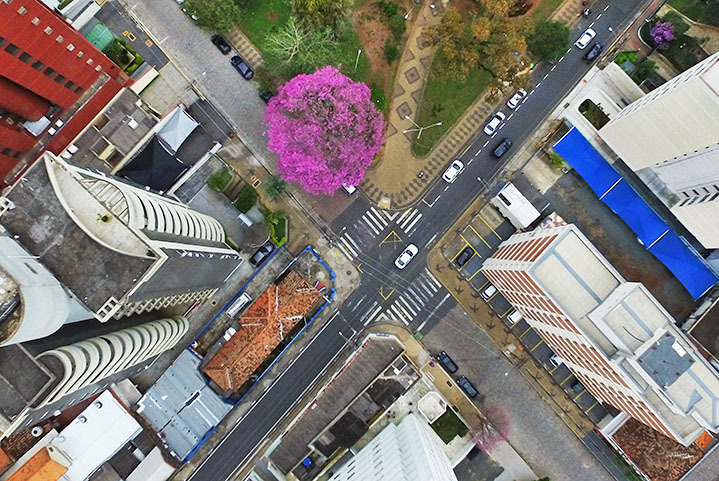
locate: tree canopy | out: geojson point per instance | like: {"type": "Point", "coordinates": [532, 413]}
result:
{"type": "Point", "coordinates": [325, 129]}
{"type": "Point", "coordinates": [550, 40]}
{"type": "Point", "coordinates": [219, 15]}
{"type": "Point", "coordinates": [322, 13]}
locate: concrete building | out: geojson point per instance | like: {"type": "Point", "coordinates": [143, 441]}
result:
{"type": "Point", "coordinates": [408, 451]}
{"type": "Point", "coordinates": [53, 82]}
{"type": "Point", "coordinates": [670, 138]}
{"type": "Point", "coordinates": [613, 335]}
{"type": "Point", "coordinates": [115, 248]}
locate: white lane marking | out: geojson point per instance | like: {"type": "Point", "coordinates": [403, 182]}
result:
{"type": "Point", "coordinates": [349, 248]}
{"type": "Point", "coordinates": [485, 144]}
{"type": "Point", "coordinates": [553, 67]}
{"type": "Point", "coordinates": [561, 59]}
{"type": "Point", "coordinates": [445, 189]}
{"type": "Point", "coordinates": [416, 219]}
{"type": "Point", "coordinates": [494, 133]}
{"type": "Point", "coordinates": [345, 252]}
{"type": "Point", "coordinates": [599, 16]}
{"type": "Point", "coordinates": [591, 25]}
{"type": "Point", "coordinates": [414, 294]}
{"type": "Point", "coordinates": [367, 221]}
{"type": "Point", "coordinates": [510, 116]}
{"type": "Point", "coordinates": [537, 86]}
{"type": "Point", "coordinates": [444, 299]}
{"type": "Point", "coordinates": [531, 92]}
{"type": "Point", "coordinates": [373, 315]}
{"type": "Point", "coordinates": [569, 50]}
{"type": "Point", "coordinates": [408, 219]}
{"type": "Point", "coordinates": [358, 303]}
{"type": "Point", "coordinates": [381, 218]}
{"type": "Point", "coordinates": [390, 216]}
{"type": "Point", "coordinates": [500, 128]}
{"type": "Point", "coordinates": [417, 306]}
{"type": "Point", "coordinates": [606, 8]}
{"type": "Point", "coordinates": [431, 240]}
{"type": "Point", "coordinates": [545, 76]}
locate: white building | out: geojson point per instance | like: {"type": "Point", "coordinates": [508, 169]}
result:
{"type": "Point", "coordinates": [670, 138]}
{"type": "Point", "coordinates": [410, 451]}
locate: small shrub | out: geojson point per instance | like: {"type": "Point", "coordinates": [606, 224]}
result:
{"type": "Point", "coordinates": [391, 51]}
{"type": "Point", "coordinates": [246, 199]}
{"type": "Point", "coordinates": [219, 180]}
{"type": "Point", "coordinates": [556, 161]}
{"type": "Point", "coordinates": [397, 26]}
{"type": "Point", "coordinates": [644, 70]}
{"type": "Point", "coordinates": [389, 9]}
{"type": "Point", "coordinates": [275, 187]}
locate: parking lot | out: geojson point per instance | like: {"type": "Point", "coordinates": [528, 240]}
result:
{"type": "Point", "coordinates": [473, 244]}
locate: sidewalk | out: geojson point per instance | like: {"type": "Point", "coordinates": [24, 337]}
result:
{"type": "Point", "coordinates": [515, 468]}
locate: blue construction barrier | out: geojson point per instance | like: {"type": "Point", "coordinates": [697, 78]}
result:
{"type": "Point", "coordinates": [679, 257]}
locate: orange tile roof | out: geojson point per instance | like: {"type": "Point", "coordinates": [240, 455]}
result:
{"type": "Point", "coordinates": [265, 324]}
{"type": "Point", "coordinates": [4, 461]}
{"type": "Point", "coordinates": [40, 467]}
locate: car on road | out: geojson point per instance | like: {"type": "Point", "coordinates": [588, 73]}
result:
{"type": "Point", "coordinates": [514, 316]}
{"type": "Point", "coordinates": [514, 101]}
{"type": "Point", "coordinates": [488, 292]}
{"type": "Point", "coordinates": [467, 387]}
{"type": "Point", "coordinates": [406, 256]}
{"type": "Point", "coordinates": [454, 169]}
{"type": "Point", "coordinates": [502, 148]}
{"type": "Point", "coordinates": [555, 360]}
{"type": "Point", "coordinates": [494, 123]}
{"type": "Point", "coordinates": [266, 95]}
{"type": "Point", "coordinates": [261, 254]}
{"type": "Point", "coordinates": [593, 52]}
{"type": "Point", "coordinates": [585, 39]}
{"type": "Point", "coordinates": [464, 256]}
{"type": "Point", "coordinates": [238, 305]}
{"type": "Point", "coordinates": [221, 44]}
{"type": "Point", "coordinates": [242, 67]}
{"type": "Point", "coordinates": [447, 362]}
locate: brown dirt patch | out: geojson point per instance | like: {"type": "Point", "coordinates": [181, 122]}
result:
{"type": "Point", "coordinates": [272, 16]}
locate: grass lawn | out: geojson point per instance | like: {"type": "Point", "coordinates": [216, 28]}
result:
{"type": "Point", "coordinates": [445, 100]}
{"type": "Point", "coordinates": [697, 10]}
{"type": "Point", "coordinates": [259, 17]}
{"type": "Point", "coordinates": [448, 426]}
{"type": "Point", "coordinates": [544, 10]}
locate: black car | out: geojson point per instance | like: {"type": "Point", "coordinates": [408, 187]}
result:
{"type": "Point", "coordinates": [242, 67]}
{"type": "Point", "coordinates": [261, 254]}
{"type": "Point", "coordinates": [502, 148]}
{"type": "Point", "coordinates": [463, 256]}
{"type": "Point", "coordinates": [266, 95]}
{"type": "Point", "coordinates": [447, 362]}
{"type": "Point", "coordinates": [593, 52]}
{"type": "Point", "coordinates": [221, 44]}
{"type": "Point", "coordinates": [467, 387]}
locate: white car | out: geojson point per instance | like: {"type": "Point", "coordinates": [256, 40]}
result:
{"type": "Point", "coordinates": [350, 189]}
{"type": "Point", "coordinates": [513, 102]}
{"type": "Point", "coordinates": [494, 123]}
{"type": "Point", "coordinates": [555, 360]}
{"type": "Point", "coordinates": [455, 168]}
{"type": "Point", "coordinates": [585, 39]}
{"type": "Point", "coordinates": [406, 256]}
{"type": "Point", "coordinates": [514, 316]}
{"type": "Point", "coordinates": [488, 292]}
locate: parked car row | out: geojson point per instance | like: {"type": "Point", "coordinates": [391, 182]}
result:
{"type": "Point", "coordinates": [239, 63]}
{"type": "Point", "coordinates": [448, 365]}
{"type": "Point", "coordinates": [584, 41]}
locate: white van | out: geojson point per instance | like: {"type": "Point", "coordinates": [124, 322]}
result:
{"type": "Point", "coordinates": [238, 305]}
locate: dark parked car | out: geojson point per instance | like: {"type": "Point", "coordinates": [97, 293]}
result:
{"type": "Point", "coordinates": [467, 387]}
{"type": "Point", "coordinates": [221, 44]}
{"type": "Point", "coordinates": [242, 67]}
{"type": "Point", "coordinates": [502, 148]}
{"type": "Point", "coordinates": [577, 387]}
{"type": "Point", "coordinates": [266, 95]}
{"type": "Point", "coordinates": [261, 254]}
{"type": "Point", "coordinates": [463, 256]}
{"type": "Point", "coordinates": [447, 362]}
{"type": "Point", "coordinates": [593, 52]}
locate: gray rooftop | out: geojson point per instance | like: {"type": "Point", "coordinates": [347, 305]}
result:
{"type": "Point", "coordinates": [92, 272]}
{"type": "Point", "coordinates": [22, 378]}
{"type": "Point", "coordinates": [663, 362]}
{"type": "Point", "coordinates": [372, 359]}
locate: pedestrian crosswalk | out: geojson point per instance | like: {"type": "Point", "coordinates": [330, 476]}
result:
{"type": "Point", "coordinates": [416, 301]}
{"type": "Point", "coordinates": [408, 220]}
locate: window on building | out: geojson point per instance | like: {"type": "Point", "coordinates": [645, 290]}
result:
{"type": "Point", "coordinates": [49, 72]}
{"type": "Point", "coordinates": [17, 154]}
{"type": "Point", "coordinates": [90, 61]}
{"type": "Point", "coordinates": [35, 21]}
{"type": "Point", "coordinates": [22, 11]}
{"type": "Point", "coordinates": [59, 39]}
{"type": "Point", "coordinates": [80, 54]}
{"type": "Point", "coordinates": [79, 90]}
{"type": "Point", "coordinates": [12, 49]}
{"type": "Point", "coordinates": [38, 65]}
{"type": "Point", "coordinates": [70, 85]}
{"type": "Point", "coordinates": [48, 30]}
{"type": "Point", "coordinates": [70, 47]}
{"type": "Point", "coordinates": [2, 41]}
{"type": "Point", "coordinates": [26, 58]}
{"type": "Point", "coordinates": [60, 79]}
{"type": "Point", "coordinates": [6, 151]}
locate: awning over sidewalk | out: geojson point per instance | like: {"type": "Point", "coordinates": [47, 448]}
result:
{"type": "Point", "coordinates": [678, 256]}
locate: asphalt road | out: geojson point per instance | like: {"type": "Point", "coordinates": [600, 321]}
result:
{"type": "Point", "coordinates": [375, 240]}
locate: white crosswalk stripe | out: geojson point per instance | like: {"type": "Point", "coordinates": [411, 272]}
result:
{"type": "Point", "coordinates": [370, 224]}
{"type": "Point", "coordinates": [431, 276]}
{"type": "Point", "coordinates": [407, 217]}
{"type": "Point", "coordinates": [345, 242]}
{"type": "Point", "coordinates": [371, 317]}
{"type": "Point", "coordinates": [417, 301]}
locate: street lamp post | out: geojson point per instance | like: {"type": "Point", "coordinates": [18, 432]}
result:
{"type": "Point", "coordinates": [359, 52]}
{"type": "Point", "coordinates": [406, 15]}
{"type": "Point", "coordinates": [417, 128]}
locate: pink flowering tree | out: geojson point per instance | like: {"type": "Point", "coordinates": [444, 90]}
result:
{"type": "Point", "coordinates": [662, 33]}
{"type": "Point", "coordinates": [325, 129]}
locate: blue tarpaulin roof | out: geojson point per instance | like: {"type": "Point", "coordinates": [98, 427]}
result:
{"type": "Point", "coordinates": [625, 202]}
{"type": "Point", "coordinates": [683, 261]}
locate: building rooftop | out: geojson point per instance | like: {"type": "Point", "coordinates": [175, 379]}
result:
{"type": "Point", "coordinates": [369, 361]}
{"type": "Point", "coordinates": [262, 328]}
{"type": "Point", "coordinates": [41, 224]}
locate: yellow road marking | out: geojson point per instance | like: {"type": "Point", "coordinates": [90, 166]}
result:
{"type": "Point", "coordinates": [490, 227]}
{"type": "Point", "coordinates": [505, 312]}
{"type": "Point", "coordinates": [482, 286]}
{"type": "Point", "coordinates": [591, 407]}
{"type": "Point", "coordinates": [395, 238]}
{"type": "Point", "coordinates": [577, 396]}
{"type": "Point", "coordinates": [478, 271]}
{"type": "Point", "coordinates": [459, 252]}
{"type": "Point", "coordinates": [480, 236]}
{"type": "Point", "coordinates": [470, 245]}
{"type": "Point", "coordinates": [389, 294]}
{"type": "Point", "coordinates": [552, 371]}
{"type": "Point", "coordinates": [565, 379]}
{"type": "Point", "coordinates": [359, 268]}
{"type": "Point", "coordinates": [538, 344]}
{"type": "Point", "coordinates": [528, 329]}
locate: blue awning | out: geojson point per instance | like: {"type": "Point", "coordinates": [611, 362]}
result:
{"type": "Point", "coordinates": [685, 264]}
{"type": "Point", "coordinates": [625, 202]}
{"type": "Point", "coordinates": [683, 261]}
{"type": "Point", "coordinates": [587, 162]}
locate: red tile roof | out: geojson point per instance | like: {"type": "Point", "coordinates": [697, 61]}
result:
{"type": "Point", "coordinates": [40, 467]}
{"type": "Point", "coordinates": [267, 321]}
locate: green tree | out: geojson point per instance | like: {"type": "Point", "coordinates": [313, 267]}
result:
{"type": "Point", "coordinates": [246, 198]}
{"type": "Point", "coordinates": [298, 47]}
{"type": "Point", "coordinates": [321, 13]}
{"type": "Point", "coordinates": [549, 40]}
{"type": "Point", "coordinates": [273, 221]}
{"type": "Point", "coordinates": [219, 15]}
{"type": "Point", "coordinates": [275, 187]}
{"type": "Point", "coordinates": [643, 70]}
